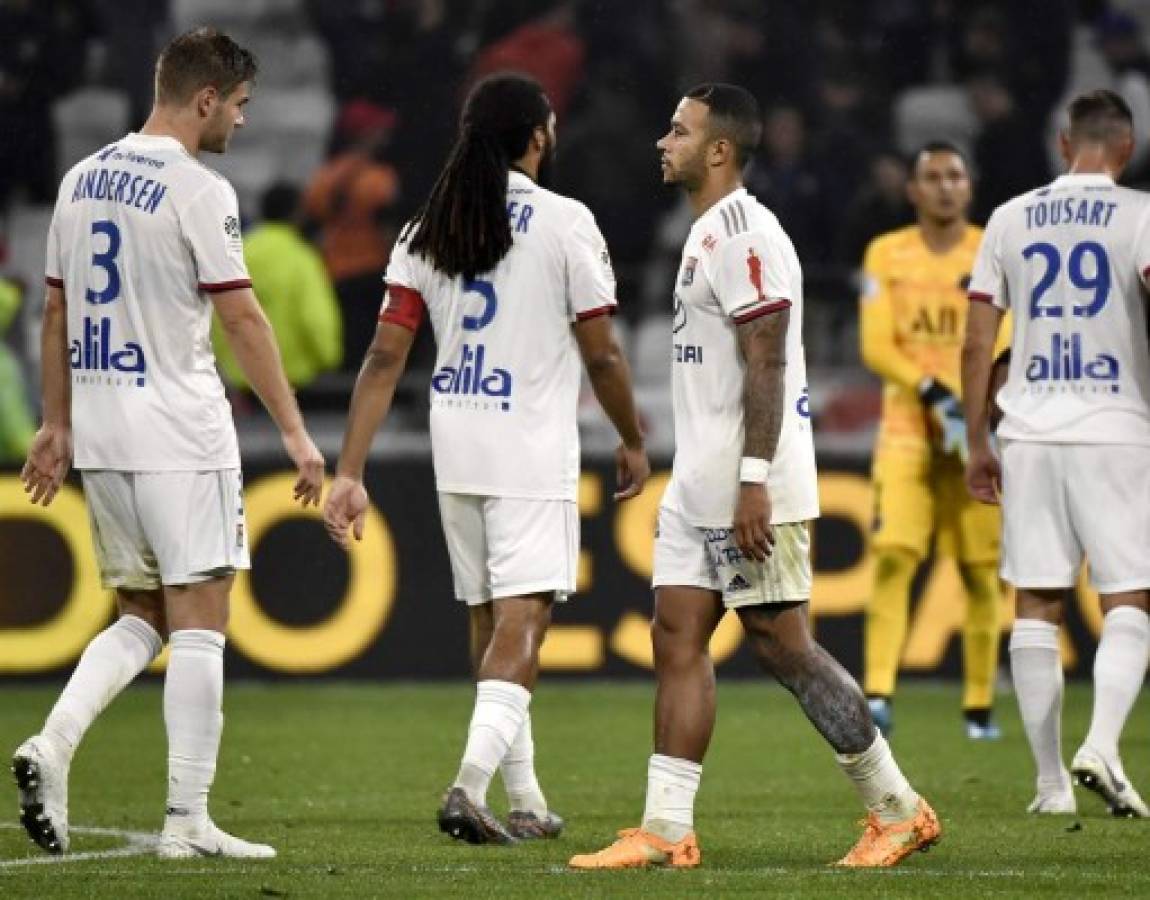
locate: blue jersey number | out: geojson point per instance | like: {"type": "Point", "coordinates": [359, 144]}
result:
{"type": "Point", "coordinates": [107, 262]}
{"type": "Point", "coordinates": [1088, 268]}
{"type": "Point", "coordinates": [486, 290]}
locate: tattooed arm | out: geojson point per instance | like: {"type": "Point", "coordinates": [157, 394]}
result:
{"type": "Point", "coordinates": [762, 343]}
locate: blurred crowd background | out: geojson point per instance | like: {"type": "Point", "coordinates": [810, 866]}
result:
{"type": "Point", "coordinates": [356, 106]}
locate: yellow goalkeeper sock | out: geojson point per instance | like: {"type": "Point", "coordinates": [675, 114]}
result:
{"type": "Point", "coordinates": [980, 634]}
{"type": "Point", "coordinates": [886, 617]}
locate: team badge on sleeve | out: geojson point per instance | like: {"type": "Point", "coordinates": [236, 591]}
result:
{"type": "Point", "coordinates": [755, 272]}
{"type": "Point", "coordinates": [688, 277]}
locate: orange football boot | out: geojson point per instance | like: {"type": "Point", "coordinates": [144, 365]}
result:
{"type": "Point", "coordinates": [639, 849]}
{"type": "Point", "coordinates": [888, 844]}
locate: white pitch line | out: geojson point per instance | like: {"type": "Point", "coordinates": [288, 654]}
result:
{"type": "Point", "coordinates": [139, 843]}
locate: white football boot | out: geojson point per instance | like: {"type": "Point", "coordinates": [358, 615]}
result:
{"type": "Point", "coordinates": [1109, 782]}
{"type": "Point", "coordinates": [41, 773]}
{"type": "Point", "coordinates": [205, 839]}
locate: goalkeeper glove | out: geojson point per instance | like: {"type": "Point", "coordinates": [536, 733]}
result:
{"type": "Point", "coordinates": [945, 412]}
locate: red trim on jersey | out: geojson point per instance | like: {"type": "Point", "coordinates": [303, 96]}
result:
{"type": "Point", "coordinates": [54, 282]}
{"type": "Point", "coordinates": [1146, 274]}
{"type": "Point", "coordinates": [218, 287]}
{"type": "Point", "coordinates": [771, 307]}
{"type": "Point", "coordinates": [607, 310]}
{"type": "Point", "coordinates": [403, 306]}
{"type": "Point", "coordinates": [980, 297]}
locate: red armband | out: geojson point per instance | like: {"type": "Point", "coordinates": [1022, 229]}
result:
{"type": "Point", "coordinates": [402, 306]}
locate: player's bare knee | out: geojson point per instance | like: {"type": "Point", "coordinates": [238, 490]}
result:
{"type": "Point", "coordinates": [146, 605]}
{"type": "Point", "coordinates": [1046, 605]}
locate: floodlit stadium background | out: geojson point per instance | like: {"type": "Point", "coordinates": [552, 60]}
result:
{"type": "Point", "coordinates": [355, 107]}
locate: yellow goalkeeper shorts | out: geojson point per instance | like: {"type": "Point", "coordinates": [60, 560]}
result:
{"type": "Point", "coordinates": [920, 496]}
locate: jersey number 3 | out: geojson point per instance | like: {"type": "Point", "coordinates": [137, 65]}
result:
{"type": "Point", "coordinates": [1098, 282]}
{"type": "Point", "coordinates": [107, 262]}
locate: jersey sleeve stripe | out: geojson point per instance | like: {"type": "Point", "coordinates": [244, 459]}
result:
{"type": "Point", "coordinates": [218, 287]}
{"type": "Point", "coordinates": [754, 312]}
{"type": "Point", "coordinates": [607, 309]}
{"type": "Point", "coordinates": [980, 297]}
{"type": "Point", "coordinates": [53, 281]}
{"type": "Point", "coordinates": [742, 216]}
{"type": "Point", "coordinates": [726, 221]}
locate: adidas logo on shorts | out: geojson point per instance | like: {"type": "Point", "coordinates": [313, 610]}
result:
{"type": "Point", "coordinates": [738, 583]}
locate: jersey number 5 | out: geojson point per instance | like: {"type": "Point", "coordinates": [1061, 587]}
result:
{"type": "Point", "coordinates": [1098, 282]}
{"type": "Point", "coordinates": [486, 290]}
{"type": "Point", "coordinates": [107, 262]}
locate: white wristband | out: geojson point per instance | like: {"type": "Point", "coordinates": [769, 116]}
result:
{"type": "Point", "coordinates": [753, 470]}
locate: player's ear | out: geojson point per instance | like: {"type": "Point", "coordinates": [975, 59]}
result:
{"type": "Point", "coordinates": [1065, 149]}
{"type": "Point", "coordinates": [206, 100]}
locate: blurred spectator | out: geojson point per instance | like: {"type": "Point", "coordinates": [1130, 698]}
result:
{"type": "Point", "coordinates": [547, 47]}
{"type": "Point", "coordinates": [879, 206]}
{"type": "Point", "coordinates": [605, 161]}
{"type": "Point", "coordinates": [16, 420]}
{"type": "Point", "coordinates": [43, 47]}
{"type": "Point", "coordinates": [1009, 152]}
{"type": "Point", "coordinates": [782, 178]}
{"type": "Point", "coordinates": [294, 290]}
{"type": "Point", "coordinates": [352, 200]}
{"type": "Point", "coordinates": [1121, 43]}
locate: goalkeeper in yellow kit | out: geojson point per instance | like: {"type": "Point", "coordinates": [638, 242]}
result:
{"type": "Point", "coordinates": [912, 320]}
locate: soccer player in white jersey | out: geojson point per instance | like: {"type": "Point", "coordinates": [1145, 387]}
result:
{"type": "Point", "coordinates": [518, 285]}
{"type": "Point", "coordinates": [143, 243]}
{"type": "Point", "coordinates": [732, 530]}
{"type": "Point", "coordinates": [1072, 260]}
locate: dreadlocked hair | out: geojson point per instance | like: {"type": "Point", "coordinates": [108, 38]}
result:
{"type": "Point", "coordinates": [463, 227]}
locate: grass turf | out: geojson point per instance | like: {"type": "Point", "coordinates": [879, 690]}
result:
{"type": "Point", "coordinates": [345, 780]}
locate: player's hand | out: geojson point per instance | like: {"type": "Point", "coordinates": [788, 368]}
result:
{"type": "Point", "coordinates": [49, 459]}
{"type": "Point", "coordinates": [309, 464]}
{"type": "Point", "coordinates": [753, 533]}
{"type": "Point", "coordinates": [947, 418]}
{"type": "Point", "coordinates": [345, 510]}
{"type": "Point", "coordinates": [984, 475]}
{"type": "Point", "coordinates": [632, 469]}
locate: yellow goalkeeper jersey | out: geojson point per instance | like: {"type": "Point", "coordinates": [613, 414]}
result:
{"type": "Point", "coordinates": [912, 322]}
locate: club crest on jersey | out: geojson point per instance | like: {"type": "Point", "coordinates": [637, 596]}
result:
{"type": "Point", "coordinates": [755, 272]}
{"type": "Point", "coordinates": [472, 381]}
{"type": "Point", "coordinates": [710, 243]}
{"type": "Point", "coordinates": [688, 277]}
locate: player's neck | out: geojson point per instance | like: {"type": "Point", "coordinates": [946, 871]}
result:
{"type": "Point", "coordinates": [1094, 161]}
{"type": "Point", "coordinates": [162, 123]}
{"type": "Point", "coordinates": [941, 237]}
{"type": "Point", "coordinates": [712, 190]}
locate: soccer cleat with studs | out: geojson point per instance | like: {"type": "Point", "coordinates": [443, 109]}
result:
{"type": "Point", "coordinates": [42, 780]}
{"type": "Point", "coordinates": [467, 821]}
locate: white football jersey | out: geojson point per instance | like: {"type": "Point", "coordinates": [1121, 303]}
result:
{"type": "Point", "coordinates": [141, 234]}
{"type": "Point", "coordinates": [506, 385]}
{"type": "Point", "coordinates": [738, 264]}
{"type": "Point", "coordinates": [1071, 259]}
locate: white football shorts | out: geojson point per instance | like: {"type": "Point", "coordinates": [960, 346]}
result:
{"type": "Point", "coordinates": [1061, 502]}
{"type": "Point", "coordinates": [709, 558]}
{"type": "Point", "coordinates": [157, 528]}
{"type": "Point", "coordinates": [509, 546]}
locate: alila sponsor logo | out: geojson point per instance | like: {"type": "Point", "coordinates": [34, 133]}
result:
{"type": "Point", "coordinates": [471, 380]}
{"type": "Point", "coordinates": [1066, 362]}
{"type": "Point", "coordinates": [97, 352]}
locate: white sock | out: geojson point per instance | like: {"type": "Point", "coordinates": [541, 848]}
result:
{"type": "Point", "coordinates": [518, 771]}
{"type": "Point", "coordinates": [881, 785]}
{"type": "Point", "coordinates": [500, 708]}
{"type": "Point", "coordinates": [1119, 670]}
{"type": "Point", "coordinates": [109, 663]}
{"type": "Point", "coordinates": [671, 787]}
{"type": "Point", "coordinates": [1036, 667]}
{"type": "Point", "coordinates": [193, 701]}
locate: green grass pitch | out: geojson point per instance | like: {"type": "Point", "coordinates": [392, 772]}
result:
{"type": "Point", "coordinates": [345, 780]}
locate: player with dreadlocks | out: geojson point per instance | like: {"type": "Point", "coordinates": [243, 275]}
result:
{"type": "Point", "coordinates": [518, 285]}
